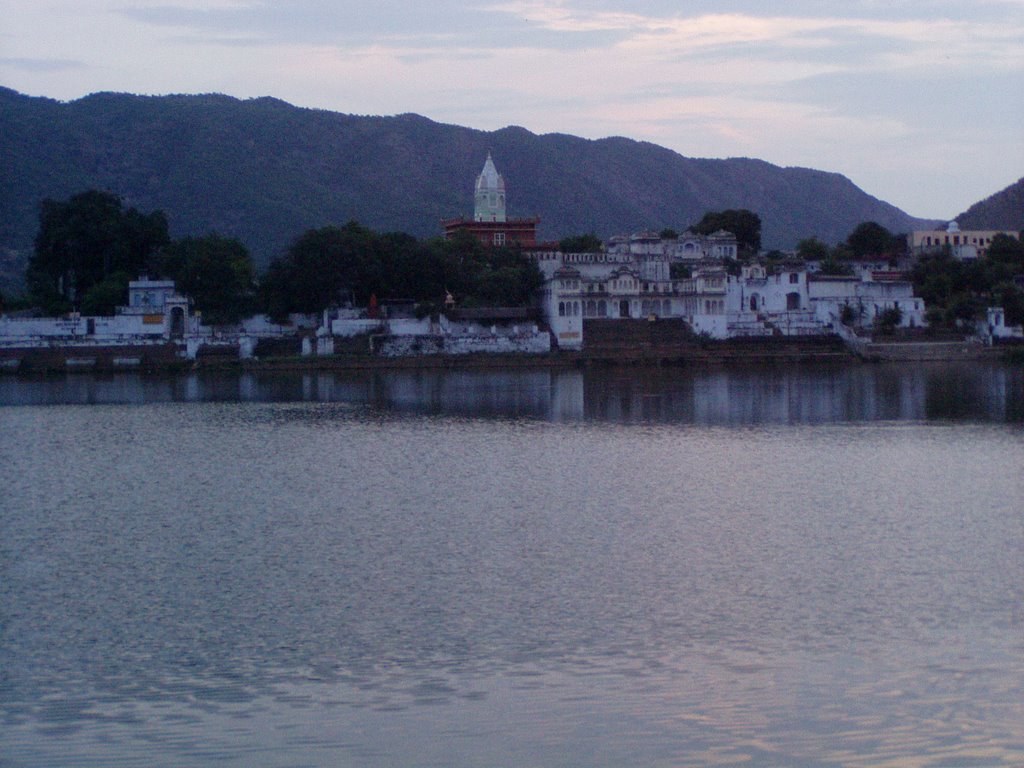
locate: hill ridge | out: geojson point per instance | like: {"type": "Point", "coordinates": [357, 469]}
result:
{"type": "Point", "coordinates": [264, 170]}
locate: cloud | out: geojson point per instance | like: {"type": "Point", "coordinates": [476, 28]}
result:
{"type": "Point", "coordinates": [813, 82]}
{"type": "Point", "coordinates": [42, 65]}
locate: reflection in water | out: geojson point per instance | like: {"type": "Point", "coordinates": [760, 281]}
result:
{"type": "Point", "coordinates": [359, 569]}
{"type": "Point", "coordinates": [741, 395]}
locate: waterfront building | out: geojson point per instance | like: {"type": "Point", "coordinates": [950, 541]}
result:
{"type": "Point", "coordinates": [964, 244]}
{"type": "Point", "coordinates": [155, 313]}
{"type": "Point", "coordinates": [616, 285]}
{"type": "Point", "coordinates": [867, 299]}
{"type": "Point", "coordinates": [781, 299]}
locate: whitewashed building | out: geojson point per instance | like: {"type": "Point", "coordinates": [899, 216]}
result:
{"type": "Point", "coordinates": [688, 247]}
{"type": "Point", "coordinates": [155, 313]}
{"type": "Point", "coordinates": [781, 300]}
{"type": "Point", "coordinates": [866, 298]}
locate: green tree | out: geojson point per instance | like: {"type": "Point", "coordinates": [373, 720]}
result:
{"type": "Point", "coordinates": [888, 320]}
{"type": "Point", "coordinates": [744, 224]}
{"type": "Point", "coordinates": [103, 298]}
{"type": "Point", "coordinates": [812, 249]}
{"type": "Point", "coordinates": [588, 243]}
{"type": "Point", "coordinates": [215, 272]}
{"type": "Point", "coordinates": [842, 252]}
{"type": "Point", "coordinates": [679, 271]}
{"type": "Point", "coordinates": [484, 276]}
{"type": "Point", "coordinates": [869, 238]}
{"type": "Point", "coordinates": [84, 240]}
{"type": "Point", "coordinates": [322, 268]}
{"type": "Point", "coordinates": [333, 265]}
{"type": "Point", "coordinates": [963, 310]}
{"type": "Point", "coordinates": [1006, 250]}
{"type": "Point", "coordinates": [1011, 299]}
{"type": "Point", "coordinates": [833, 267]}
{"type": "Point", "coordinates": [669, 234]}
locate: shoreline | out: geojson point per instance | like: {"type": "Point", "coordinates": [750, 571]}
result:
{"type": "Point", "coordinates": [157, 359]}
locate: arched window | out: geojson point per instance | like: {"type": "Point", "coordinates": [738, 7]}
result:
{"type": "Point", "coordinates": [561, 309]}
{"type": "Point", "coordinates": [602, 308]}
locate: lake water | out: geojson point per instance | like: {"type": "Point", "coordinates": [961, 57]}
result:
{"type": "Point", "coordinates": [798, 566]}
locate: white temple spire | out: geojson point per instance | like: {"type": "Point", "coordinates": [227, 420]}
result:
{"type": "Point", "coordinates": [489, 198]}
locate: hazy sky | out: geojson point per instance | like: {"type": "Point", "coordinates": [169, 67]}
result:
{"type": "Point", "coordinates": [919, 102]}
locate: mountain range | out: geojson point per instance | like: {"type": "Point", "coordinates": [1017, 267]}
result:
{"type": "Point", "coordinates": [265, 171]}
{"type": "Point", "coordinates": [1003, 210]}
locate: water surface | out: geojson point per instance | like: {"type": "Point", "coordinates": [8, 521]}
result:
{"type": "Point", "coordinates": [799, 566]}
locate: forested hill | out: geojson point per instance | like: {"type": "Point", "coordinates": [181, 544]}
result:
{"type": "Point", "coordinates": [265, 171]}
{"type": "Point", "coordinates": [1003, 210]}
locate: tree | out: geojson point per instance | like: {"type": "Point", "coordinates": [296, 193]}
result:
{"type": "Point", "coordinates": [812, 249]}
{"type": "Point", "coordinates": [888, 319]}
{"type": "Point", "coordinates": [870, 238]}
{"type": "Point", "coordinates": [588, 243]}
{"type": "Point", "coordinates": [832, 267]}
{"type": "Point", "coordinates": [84, 240]}
{"type": "Point", "coordinates": [669, 234]}
{"type": "Point", "coordinates": [332, 265]}
{"type": "Point", "coordinates": [679, 271]}
{"type": "Point", "coordinates": [1011, 299]}
{"type": "Point", "coordinates": [744, 224]}
{"type": "Point", "coordinates": [963, 310]}
{"type": "Point", "coordinates": [215, 272]}
{"type": "Point", "coordinates": [1006, 250]}
{"type": "Point", "coordinates": [322, 268]}
{"type": "Point", "coordinates": [104, 297]}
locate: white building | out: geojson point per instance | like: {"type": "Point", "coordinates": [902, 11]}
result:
{"type": "Point", "coordinates": [995, 326]}
{"type": "Point", "coordinates": [688, 247]}
{"type": "Point", "coordinates": [581, 286]}
{"type": "Point", "coordinates": [783, 300]}
{"type": "Point", "coordinates": [866, 298]}
{"type": "Point", "coordinates": [155, 314]}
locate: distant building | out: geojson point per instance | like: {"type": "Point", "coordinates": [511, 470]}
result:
{"type": "Point", "coordinates": [687, 247]}
{"type": "Point", "coordinates": [490, 223]}
{"type": "Point", "coordinates": [964, 244]}
{"type": "Point", "coordinates": [157, 303]}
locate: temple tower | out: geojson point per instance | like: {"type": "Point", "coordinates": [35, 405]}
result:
{"type": "Point", "coordinates": [489, 199]}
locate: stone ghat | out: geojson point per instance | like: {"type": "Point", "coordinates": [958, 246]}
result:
{"type": "Point", "coordinates": [671, 340]}
{"type": "Point", "coordinates": [924, 351]}
{"type": "Point", "coordinates": [148, 357]}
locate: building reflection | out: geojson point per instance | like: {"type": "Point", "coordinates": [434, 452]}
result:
{"type": "Point", "coordinates": [722, 396]}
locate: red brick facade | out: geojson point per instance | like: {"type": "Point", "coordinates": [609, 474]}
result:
{"type": "Point", "coordinates": [514, 232]}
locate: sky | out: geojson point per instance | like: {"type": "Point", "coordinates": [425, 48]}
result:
{"type": "Point", "coordinates": [919, 102]}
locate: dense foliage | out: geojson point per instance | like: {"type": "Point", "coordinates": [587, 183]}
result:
{"type": "Point", "coordinates": [744, 224]}
{"type": "Point", "coordinates": [215, 272]}
{"type": "Point", "coordinates": [89, 248]}
{"type": "Point", "coordinates": [957, 291]}
{"type": "Point", "coordinates": [84, 248]}
{"type": "Point", "coordinates": [588, 243]}
{"type": "Point", "coordinates": [869, 239]}
{"type": "Point", "coordinates": [335, 265]}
